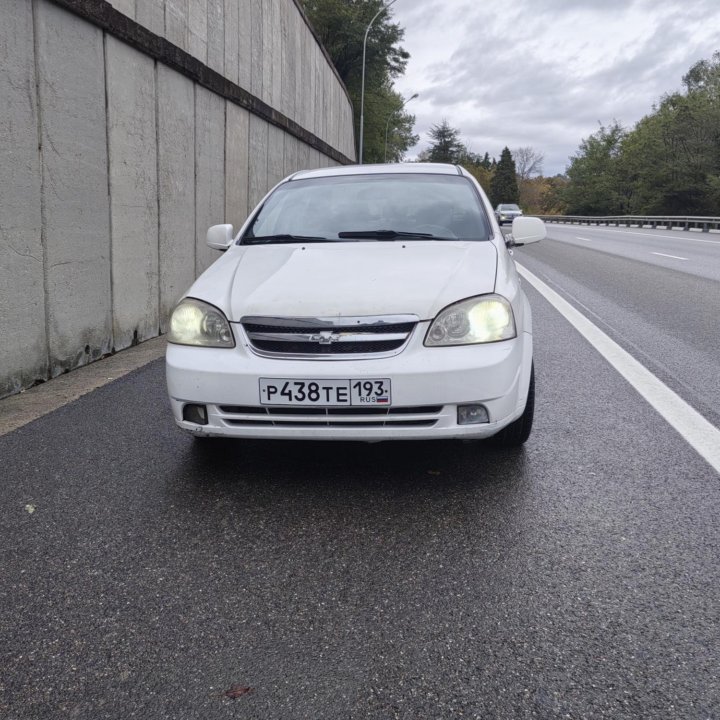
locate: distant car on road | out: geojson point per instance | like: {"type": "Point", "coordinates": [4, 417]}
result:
{"type": "Point", "coordinates": [367, 302]}
{"type": "Point", "coordinates": [507, 212]}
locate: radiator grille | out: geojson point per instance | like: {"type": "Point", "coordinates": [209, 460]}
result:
{"type": "Point", "coordinates": [329, 337]}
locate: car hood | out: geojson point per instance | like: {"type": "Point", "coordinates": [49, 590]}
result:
{"type": "Point", "coordinates": [348, 279]}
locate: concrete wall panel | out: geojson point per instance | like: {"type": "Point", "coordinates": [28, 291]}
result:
{"type": "Point", "coordinates": [289, 53]}
{"type": "Point", "coordinates": [126, 7]}
{"type": "Point", "coordinates": [216, 35]}
{"type": "Point", "coordinates": [151, 14]}
{"type": "Point", "coordinates": [198, 29]}
{"type": "Point", "coordinates": [245, 44]}
{"type": "Point", "coordinates": [23, 348]}
{"type": "Point", "coordinates": [317, 64]}
{"type": "Point", "coordinates": [176, 187]}
{"type": "Point", "coordinates": [133, 192]}
{"type": "Point", "coordinates": [269, 42]}
{"type": "Point", "coordinates": [303, 36]}
{"type": "Point", "coordinates": [177, 13]}
{"type": "Point", "coordinates": [71, 87]}
{"type": "Point", "coordinates": [258, 164]}
{"type": "Point", "coordinates": [237, 145]}
{"type": "Point", "coordinates": [232, 36]}
{"type": "Point", "coordinates": [276, 33]}
{"type": "Point", "coordinates": [256, 47]}
{"type": "Point", "coordinates": [276, 156]}
{"type": "Point", "coordinates": [303, 156]}
{"type": "Point", "coordinates": [209, 172]}
{"type": "Point", "coordinates": [290, 155]}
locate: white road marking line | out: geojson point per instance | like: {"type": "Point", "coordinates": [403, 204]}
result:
{"type": "Point", "coordinates": [675, 257]}
{"type": "Point", "coordinates": [585, 239]}
{"type": "Point", "coordinates": [700, 434]}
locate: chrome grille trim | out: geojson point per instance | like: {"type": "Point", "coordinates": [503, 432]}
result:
{"type": "Point", "coordinates": [331, 338]}
{"type": "Point", "coordinates": [342, 337]}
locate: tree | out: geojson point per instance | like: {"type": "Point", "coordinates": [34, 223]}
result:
{"type": "Point", "coordinates": [528, 162]}
{"type": "Point", "coordinates": [593, 174]}
{"type": "Point", "coordinates": [446, 146]}
{"type": "Point", "coordinates": [483, 175]}
{"type": "Point", "coordinates": [340, 26]}
{"type": "Point", "coordinates": [504, 187]}
{"type": "Point", "coordinates": [398, 130]}
{"type": "Point", "coordinates": [668, 164]}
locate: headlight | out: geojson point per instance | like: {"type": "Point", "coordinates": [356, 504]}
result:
{"type": "Point", "coordinates": [194, 322]}
{"type": "Point", "coordinates": [484, 319]}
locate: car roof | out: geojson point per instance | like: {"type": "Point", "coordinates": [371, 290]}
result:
{"type": "Point", "coordinates": [395, 168]}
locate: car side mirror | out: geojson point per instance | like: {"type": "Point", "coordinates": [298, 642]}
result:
{"type": "Point", "coordinates": [526, 230]}
{"type": "Point", "coordinates": [220, 237]}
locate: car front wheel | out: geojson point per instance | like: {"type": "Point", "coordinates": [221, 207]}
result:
{"type": "Point", "coordinates": [518, 431]}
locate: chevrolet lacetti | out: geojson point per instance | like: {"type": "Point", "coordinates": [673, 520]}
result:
{"type": "Point", "coordinates": [375, 302]}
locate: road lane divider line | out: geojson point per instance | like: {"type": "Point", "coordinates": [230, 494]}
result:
{"type": "Point", "coordinates": [698, 432]}
{"type": "Point", "coordinates": [585, 239]}
{"type": "Point", "coordinates": [675, 257]}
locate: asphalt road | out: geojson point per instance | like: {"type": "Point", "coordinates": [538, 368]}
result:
{"type": "Point", "coordinates": [577, 578]}
{"type": "Point", "coordinates": [690, 252]}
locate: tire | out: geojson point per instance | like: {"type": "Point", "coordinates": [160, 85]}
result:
{"type": "Point", "coordinates": [518, 431]}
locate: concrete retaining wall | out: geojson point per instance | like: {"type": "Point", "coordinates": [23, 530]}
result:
{"type": "Point", "coordinates": [125, 132]}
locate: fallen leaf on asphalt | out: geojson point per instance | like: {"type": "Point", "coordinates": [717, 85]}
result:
{"type": "Point", "coordinates": [236, 691]}
{"type": "Point", "coordinates": [30, 509]}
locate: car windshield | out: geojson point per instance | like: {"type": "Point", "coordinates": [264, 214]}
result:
{"type": "Point", "coordinates": [380, 207]}
{"type": "Point", "coordinates": [509, 207]}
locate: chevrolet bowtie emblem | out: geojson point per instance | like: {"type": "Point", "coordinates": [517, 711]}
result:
{"type": "Point", "coordinates": [326, 337]}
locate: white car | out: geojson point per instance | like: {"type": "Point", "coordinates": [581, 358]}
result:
{"type": "Point", "coordinates": [373, 302]}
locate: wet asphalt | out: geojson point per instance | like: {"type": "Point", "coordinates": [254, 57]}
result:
{"type": "Point", "coordinates": [145, 577]}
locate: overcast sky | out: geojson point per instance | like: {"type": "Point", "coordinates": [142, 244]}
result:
{"type": "Point", "coordinates": [544, 73]}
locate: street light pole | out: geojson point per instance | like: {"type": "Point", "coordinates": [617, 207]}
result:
{"type": "Point", "coordinates": [387, 124]}
{"type": "Point", "coordinates": [362, 88]}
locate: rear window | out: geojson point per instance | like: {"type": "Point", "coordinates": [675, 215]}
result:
{"type": "Point", "coordinates": [445, 206]}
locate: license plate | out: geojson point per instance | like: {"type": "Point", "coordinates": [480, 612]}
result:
{"type": "Point", "coordinates": [325, 393]}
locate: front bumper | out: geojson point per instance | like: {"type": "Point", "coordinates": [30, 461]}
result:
{"type": "Point", "coordinates": [427, 386]}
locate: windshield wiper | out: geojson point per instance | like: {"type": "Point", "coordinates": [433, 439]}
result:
{"type": "Point", "coordinates": [280, 239]}
{"type": "Point", "coordinates": [387, 235]}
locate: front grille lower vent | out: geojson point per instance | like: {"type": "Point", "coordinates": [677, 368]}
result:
{"type": "Point", "coordinates": [259, 416]}
{"type": "Point", "coordinates": [329, 337]}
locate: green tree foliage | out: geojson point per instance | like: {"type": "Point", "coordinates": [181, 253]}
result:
{"type": "Point", "coordinates": [594, 173]}
{"type": "Point", "coordinates": [382, 112]}
{"type": "Point", "coordinates": [446, 146]}
{"type": "Point", "coordinates": [341, 25]}
{"type": "Point", "coordinates": [669, 163]}
{"type": "Point", "coordinates": [504, 187]}
{"type": "Point", "coordinates": [543, 195]}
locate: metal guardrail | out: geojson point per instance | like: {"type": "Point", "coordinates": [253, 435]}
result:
{"type": "Point", "coordinates": [669, 222]}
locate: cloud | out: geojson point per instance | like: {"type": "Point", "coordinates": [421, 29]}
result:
{"type": "Point", "coordinates": [544, 73]}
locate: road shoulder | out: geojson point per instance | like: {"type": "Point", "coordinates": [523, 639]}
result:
{"type": "Point", "coordinates": [28, 405]}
